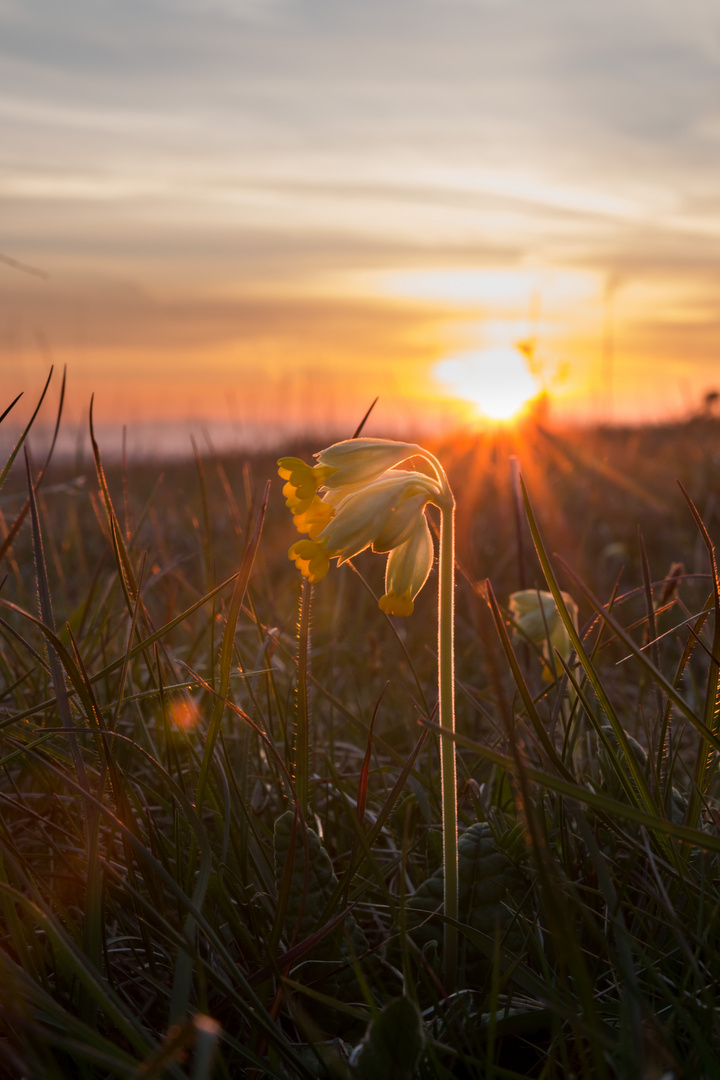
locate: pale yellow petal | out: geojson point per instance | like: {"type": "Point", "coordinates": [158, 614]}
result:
{"type": "Point", "coordinates": [361, 460]}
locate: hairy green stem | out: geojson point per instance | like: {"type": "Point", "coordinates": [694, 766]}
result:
{"type": "Point", "coordinates": [446, 710]}
{"type": "Point", "coordinates": [302, 726]}
{"type": "Point", "coordinates": [446, 695]}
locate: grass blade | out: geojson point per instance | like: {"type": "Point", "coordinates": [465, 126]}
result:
{"type": "Point", "coordinates": [227, 645]}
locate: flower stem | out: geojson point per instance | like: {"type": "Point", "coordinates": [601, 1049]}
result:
{"type": "Point", "coordinates": [446, 709]}
{"type": "Point", "coordinates": [302, 724]}
{"type": "Point", "coordinates": [446, 695]}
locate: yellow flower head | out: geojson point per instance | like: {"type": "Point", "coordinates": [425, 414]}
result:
{"type": "Point", "coordinates": [356, 498]}
{"type": "Point", "coordinates": [314, 519]}
{"type": "Point", "coordinates": [310, 558]}
{"type": "Point", "coordinates": [538, 620]}
{"type": "Point", "coordinates": [303, 482]}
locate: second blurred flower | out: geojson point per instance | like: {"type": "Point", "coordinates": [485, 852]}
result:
{"type": "Point", "coordinates": [538, 620]}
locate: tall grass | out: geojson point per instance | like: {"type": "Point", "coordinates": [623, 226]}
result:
{"type": "Point", "coordinates": [220, 842]}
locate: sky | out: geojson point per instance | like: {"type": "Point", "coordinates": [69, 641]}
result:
{"type": "Point", "coordinates": [260, 214]}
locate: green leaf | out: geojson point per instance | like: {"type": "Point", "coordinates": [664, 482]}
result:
{"type": "Point", "coordinates": [393, 1043]}
{"type": "Point", "coordinates": [491, 893]}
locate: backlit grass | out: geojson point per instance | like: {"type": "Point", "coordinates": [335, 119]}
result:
{"type": "Point", "coordinates": [167, 906]}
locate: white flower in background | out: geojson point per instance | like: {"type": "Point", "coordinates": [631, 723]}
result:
{"type": "Point", "coordinates": [538, 620]}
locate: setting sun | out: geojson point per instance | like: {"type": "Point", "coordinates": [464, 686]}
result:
{"type": "Point", "coordinates": [496, 380]}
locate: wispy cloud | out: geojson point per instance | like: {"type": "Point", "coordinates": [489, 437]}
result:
{"type": "Point", "coordinates": [291, 148]}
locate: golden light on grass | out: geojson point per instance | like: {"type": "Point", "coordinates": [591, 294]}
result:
{"type": "Point", "coordinates": [495, 380]}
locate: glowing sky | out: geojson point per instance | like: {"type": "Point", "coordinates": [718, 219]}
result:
{"type": "Point", "coordinates": [271, 210]}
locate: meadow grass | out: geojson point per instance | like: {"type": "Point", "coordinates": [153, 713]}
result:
{"type": "Point", "coordinates": [220, 838]}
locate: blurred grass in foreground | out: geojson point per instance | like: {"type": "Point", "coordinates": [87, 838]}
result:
{"type": "Point", "coordinates": [163, 909]}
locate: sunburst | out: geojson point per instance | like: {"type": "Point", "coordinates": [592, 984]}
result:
{"type": "Point", "coordinates": [495, 380]}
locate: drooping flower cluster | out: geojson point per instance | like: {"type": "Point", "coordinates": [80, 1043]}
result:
{"type": "Point", "coordinates": [355, 498]}
{"type": "Point", "coordinates": [538, 620]}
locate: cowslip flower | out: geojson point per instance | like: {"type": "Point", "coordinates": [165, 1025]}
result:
{"type": "Point", "coordinates": [356, 498]}
{"type": "Point", "coordinates": [538, 620]}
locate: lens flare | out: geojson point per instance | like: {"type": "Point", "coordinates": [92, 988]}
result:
{"type": "Point", "coordinates": [185, 713]}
